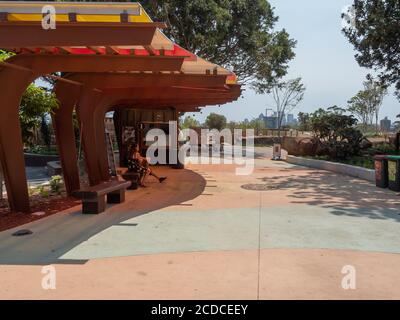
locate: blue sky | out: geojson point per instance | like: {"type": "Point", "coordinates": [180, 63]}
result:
{"type": "Point", "coordinates": [324, 59]}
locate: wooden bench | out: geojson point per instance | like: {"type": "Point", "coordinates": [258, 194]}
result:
{"type": "Point", "coordinates": [93, 198]}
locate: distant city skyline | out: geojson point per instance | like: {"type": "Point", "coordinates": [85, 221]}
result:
{"type": "Point", "coordinates": [324, 59]}
{"type": "Point", "coordinates": [270, 119]}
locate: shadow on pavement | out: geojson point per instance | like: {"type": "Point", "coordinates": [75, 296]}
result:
{"type": "Point", "coordinates": [341, 194]}
{"type": "Point", "coordinates": [54, 236]}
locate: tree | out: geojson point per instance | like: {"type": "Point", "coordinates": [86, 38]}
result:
{"type": "Point", "coordinates": [257, 125]}
{"type": "Point", "coordinates": [45, 131]}
{"type": "Point", "coordinates": [36, 102]}
{"type": "Point", "coordinates": [5, 55]}
{"type": "Point", "coordinates": [397, 139]}
{"type": "Point", "coordinates": [375, 35]}
{"type": "Point", "coordinates": [304, 121]}
{"type": "Point", "coordinates": [366, 104]}
{"type": "Point", "coordinates": [338, 138]}
{"type": "Point", "coordinates": [359, 108]}
{"type": "Point", "coordinates": [397, 123]}
{"type": "Point", "coordinates": [287, 95]}
{"type": "Point", "coordinates": [232, 125]}
{"type": "Point", "coordinates": [236, 34]}
{"type": "Point", "coordinates": [189, 123]}
{"type": "Point", "coordinates": [216, 121]}
{"type": "Point", "coordinates": [375, 93]}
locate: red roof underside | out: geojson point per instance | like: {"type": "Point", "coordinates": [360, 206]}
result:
{"type": "Point", "coordinates": [176, 52]}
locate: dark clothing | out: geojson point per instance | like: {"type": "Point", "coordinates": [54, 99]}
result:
{"type": "Point", "coordinates": [134, 166]}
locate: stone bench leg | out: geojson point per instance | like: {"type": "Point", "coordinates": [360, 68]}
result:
{"type": "Point", "coordinates": [93, 206]}
{"type": "Point", "coordinates": [134, 184]}
{"type": "Point", "coordinates": [116, 196]}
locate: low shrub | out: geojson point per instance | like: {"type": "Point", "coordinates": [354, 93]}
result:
{"type": "Point", "coordinates": [56, 184]}
{"type": "Point", "coordinates": [43, 192]}
{"type": "Point", "coordinates": [337, 135]}
{"type": "Point", "coordinates": [43, 150]}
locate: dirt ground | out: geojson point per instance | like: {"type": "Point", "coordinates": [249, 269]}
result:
{"type": "Point", "coordinates": [39, 205]}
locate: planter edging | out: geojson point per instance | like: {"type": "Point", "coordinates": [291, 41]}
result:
{"type": "Point", "coordinates": [39, 160]}
{"type": "Point", "coordinates": [341, 168]}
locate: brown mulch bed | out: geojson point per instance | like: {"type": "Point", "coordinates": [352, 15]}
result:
{"type": "Point", "coordinates": [50, 205]}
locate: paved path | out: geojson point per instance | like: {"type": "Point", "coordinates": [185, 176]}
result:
{"type": "Point", "coordinates": [283, 232]}
{"type": "Point", "coordinates": [37, 175]}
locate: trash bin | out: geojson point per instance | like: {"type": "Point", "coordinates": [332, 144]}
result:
{"type": "Point", "coordinates": [381, 171]}
{"type": "Point", "coordinates": [394, 172]}
{"type": "Point", "coordinates": [277, 151]}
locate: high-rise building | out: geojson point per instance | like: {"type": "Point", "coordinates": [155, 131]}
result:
{"type": "Point", "coordinates": [290, 119]}
{"type": "Point", "coordinates": [386, 125]}
{"type": "Point", "coordinates": [280, 115]}
{"type": "Point", "coordinates": [271, 122]}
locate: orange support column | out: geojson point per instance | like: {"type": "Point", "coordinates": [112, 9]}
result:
{"type": "Point", "coordinates": [85, 110]}
{"type": "Point", "coordinates": [67, 95]}
{"type": "Point", "coordinates": [13, 83]}
{"type": "Point", "coordinates": [99, 116]}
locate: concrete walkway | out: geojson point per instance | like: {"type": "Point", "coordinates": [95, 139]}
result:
{"type": "Point", "coordinates": [206, 233]}
{"type": "Point", "coordinates": [36, 175]}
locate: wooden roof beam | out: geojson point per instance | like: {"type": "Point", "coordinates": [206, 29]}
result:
{"type": "Point", "coordinates": [150, 50]}
{"type": "Point", "coordinates": [30, 34]}
{"type": "Point", "coordinates": [112, 80]}
{"type": "Point", "coordinates": [64, 80]}
{"type": "Point", "coordinates": [94, 49]}
{"type": "Point", "coordinates": [112, 50]}
{"type": "Point", "coordinates": [47, 50]}
{"type": "Point", "coordinates": [14, 66]}
{"type": "Point", "coordinates": [30, 50]}
{"type": "Point", "coordinates": [65, 50]}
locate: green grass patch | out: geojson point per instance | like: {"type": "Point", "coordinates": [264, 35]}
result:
{"type": "Point", "coordinates": [366, 160]}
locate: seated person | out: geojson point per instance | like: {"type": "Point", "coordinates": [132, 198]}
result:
{"type": "Point", "coordinates": [140, 164]}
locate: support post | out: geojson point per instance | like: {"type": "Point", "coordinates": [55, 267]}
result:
{"type": "Point", "coordinates": [98, 118]}
{"type": "Point", "coordinates": [67, 94]}
{"type": "Point", "coordinates": [13, 83]}
{"type": "Point", "coordinates": [85, 109]}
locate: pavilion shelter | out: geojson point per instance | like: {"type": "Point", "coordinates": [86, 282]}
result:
{"type": "Point", "coordinates": [109, 56]}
